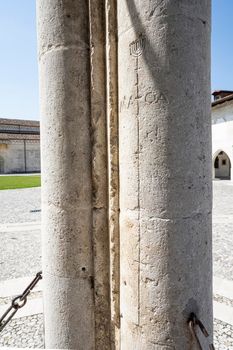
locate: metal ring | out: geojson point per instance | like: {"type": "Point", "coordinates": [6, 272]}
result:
{"type": "Point", "coordinates": [18, 305]}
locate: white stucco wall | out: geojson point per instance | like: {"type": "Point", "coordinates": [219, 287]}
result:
{"type": "Point", "coordinates": [222, 130]}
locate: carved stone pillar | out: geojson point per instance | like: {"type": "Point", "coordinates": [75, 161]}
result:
{"type": "Point", "coordinates": [165, 171]}
{"type": "Point", "coordinates": [74, 174]}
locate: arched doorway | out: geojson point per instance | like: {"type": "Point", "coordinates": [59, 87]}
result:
{"type": "Point", "coordinates": [222, 166]}
{"type": "Point", "coordinates": [1, 165]}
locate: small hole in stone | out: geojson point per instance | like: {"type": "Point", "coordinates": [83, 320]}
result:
{"type": "Point", "coordinates": [83, 268]}
{"type": "Point", "coordinates": [68, 16]}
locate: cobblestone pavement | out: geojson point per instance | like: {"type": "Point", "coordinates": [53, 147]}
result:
{"type": "Point", "coordinates": [15, 205]}
{"type": "Point", "coordinates": [223, 229]}
{"type": "Point", "coordinates": [223, 336]}
{"type": "Point", "coordinates": [21, 256]}
{"type": "Point", "coordinates": [25, 332]}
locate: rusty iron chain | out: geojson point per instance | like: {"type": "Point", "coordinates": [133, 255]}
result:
{"type": "Point", "coordinates": [193, 321]}
{"type": "Point", "coordinates": [18, 302]}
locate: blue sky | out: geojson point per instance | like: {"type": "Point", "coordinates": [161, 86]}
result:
{"type": "Point", "coordinates": [18, 60]}
{"type": "Point", "coordinates": [222, 48]}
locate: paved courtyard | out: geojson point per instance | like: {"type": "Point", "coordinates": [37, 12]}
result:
{"type": "Point", "coordinates": [223, 263]}
{"type": "Point", "coordinates": [20, 259]}
{"type": "Point", "coordinates": [223, 229]}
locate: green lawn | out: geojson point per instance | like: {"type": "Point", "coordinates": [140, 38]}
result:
{"type": "Point", "coordinates": [11, 182]}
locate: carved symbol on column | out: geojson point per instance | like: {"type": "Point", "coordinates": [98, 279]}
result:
{"type": "Point", "coordinates": [136, 49]}
{"type": "Point", "coordinates": [155, 97]}
{"type": "Point", "coordinates": [137, 46]}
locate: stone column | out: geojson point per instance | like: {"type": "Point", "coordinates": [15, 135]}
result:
{"type": "Point", "coordinates": [165, 172]}
{"type": "Point", "coordinates": [68, 268]}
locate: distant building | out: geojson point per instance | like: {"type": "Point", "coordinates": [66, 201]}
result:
{"type": "Point", "coordinates": [19, 146]}
{"type": "Point", "coordinates": [222, 134]}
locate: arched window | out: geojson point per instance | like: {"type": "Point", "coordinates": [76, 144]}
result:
{"type": "Point", "coordinates": [222, 166]}
{"type": "Point", "coordinates": [216, 163]}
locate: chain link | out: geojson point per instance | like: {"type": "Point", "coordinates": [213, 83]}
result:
{"type": "Point", "coordinates": [18, 302]}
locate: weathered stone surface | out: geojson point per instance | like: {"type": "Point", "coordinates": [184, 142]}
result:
{"type": "Point", "coordinates": [113, 167]}
{"type": "Point", "coordinates": [165, 171]}
{"type": "Point", "coordinates": [100, 175]}
{"type": "Point", "coordinates": [63, 31]}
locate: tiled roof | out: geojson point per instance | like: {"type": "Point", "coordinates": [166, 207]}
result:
{"type": "Point", "coordinates": [19, 122]}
